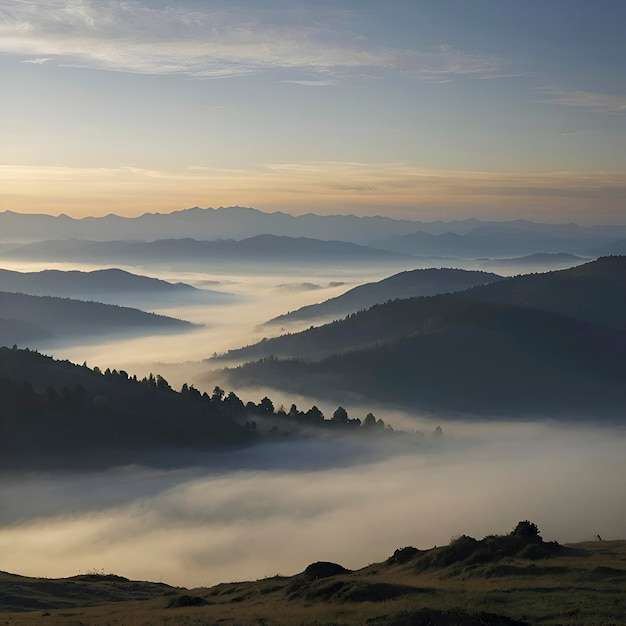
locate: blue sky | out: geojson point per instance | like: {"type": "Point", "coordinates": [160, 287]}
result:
{"type": "Point", "coordinates": [425, 109]}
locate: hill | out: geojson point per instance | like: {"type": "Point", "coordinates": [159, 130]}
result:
{"type": "Point", "coordinates": [550, 343]}
{"type": "Point", "coordinates": [58, 414]}
{"type": "Point", "coordinates": [55, 414]}
{"type": "Point", "coordinates": [595, 291]}
{"type": "Point", "coordinates": [515, 579]}
{"type": "Point", "coordinates": [28, 319]}
{"type": "Point", "coordinates": [107, 285]}
{"type": "Point", "coordinates": [258, 249]}
{"type": "Point", "coordinates": [409, 284]}
{"type": "Point", "coordinates": [466, 356]}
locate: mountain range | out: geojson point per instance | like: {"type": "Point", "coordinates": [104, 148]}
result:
{"type": "Point", "coordinates": [459, 238]}
{"type": "Point", "coordinates": [258, 249]}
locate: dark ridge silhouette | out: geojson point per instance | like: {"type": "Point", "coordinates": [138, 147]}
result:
{"type": "Point", "coordinates": [409, 284]}
{"type": "Point", "coordinates": [42, 317]}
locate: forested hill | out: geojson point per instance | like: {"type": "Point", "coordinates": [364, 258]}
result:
{"type": "Point", "coordinates": [457, 352]}
{"type": "Point", "coordinates": [409, 284]}
{"type": "Point", "coordinates": [28, 319]}
{"type": "Point", "coordinates": [474, 357]}
{"type": "Point", "coordinates": [55, 414]}
{"type": "Point", "coordinates": [595, 291]}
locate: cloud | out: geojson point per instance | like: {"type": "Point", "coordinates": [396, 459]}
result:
{"type": "Point", "coordinates": [212, 42]}
{"type": "Point", "coordinates": [587, 100]}
{"type": "Point", "coordinates": [39, 61]}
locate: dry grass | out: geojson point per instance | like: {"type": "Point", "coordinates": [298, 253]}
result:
{"type": "Point", "coordinates": [585, 585]}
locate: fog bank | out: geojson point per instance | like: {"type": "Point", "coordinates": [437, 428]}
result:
{"type": "Point", "coordinates": [276, 508]}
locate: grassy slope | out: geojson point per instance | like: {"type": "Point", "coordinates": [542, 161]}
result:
{"type": "Point", "coordinates": [581, 584]}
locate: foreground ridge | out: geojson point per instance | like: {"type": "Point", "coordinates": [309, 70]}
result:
{"type": "Point", "coordinates": [508, 580]}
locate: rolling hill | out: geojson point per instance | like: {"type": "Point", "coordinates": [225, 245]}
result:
{"type": "Point", "coordinates": [515, 579]}
{"type": "Point", "coordinates": [26, 320]}
{"type": "Point", "coordinates": [409, 284]}
{"type": "Point", "coordinates": [549, 343]}
{"type": "Point", "coordinates": [111, 286]}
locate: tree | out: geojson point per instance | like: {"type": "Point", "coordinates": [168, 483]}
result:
{"type": "Point", "coordinates": [340, 415]}
{"type": "Point", "coordinates": [266, 406]}
{"type": "Point", "coordinates": [218, 394]}
{"type": "Point", "coordinates": [370, 420]}
{"type": "Point", "coordinates": [527, 530]}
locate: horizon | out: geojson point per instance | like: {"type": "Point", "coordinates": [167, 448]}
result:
{"type": "Point", "coordinates": [451, 220]}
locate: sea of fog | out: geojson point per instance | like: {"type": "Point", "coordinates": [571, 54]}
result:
{"type": "Point", "coordinates": [275, 507]}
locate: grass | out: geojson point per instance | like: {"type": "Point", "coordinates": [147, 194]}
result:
{"type": "Point", "coordinates": [579, 584]}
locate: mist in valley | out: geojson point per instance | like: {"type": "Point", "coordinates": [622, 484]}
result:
{"type": "Point", "coordinates": [277, 506]}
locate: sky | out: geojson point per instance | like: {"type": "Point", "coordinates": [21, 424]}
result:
{"type": "Point", "coordinates": [420, 109]}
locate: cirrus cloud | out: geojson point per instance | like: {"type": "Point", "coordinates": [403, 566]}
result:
{"type": "Point", "coordinates": [213, 42]}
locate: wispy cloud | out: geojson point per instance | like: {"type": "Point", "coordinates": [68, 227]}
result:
{"type": "Point", "coordinates": [39, 61]}
{"type": "Point", "coordinates": [134, 37]}
{"type": "Point", "coordinates": [587, 100]}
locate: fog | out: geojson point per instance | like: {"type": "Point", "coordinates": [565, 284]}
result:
{"type": "Point", "coordinates": [292, 503]}
{"type": "Point", "coordinates": [274, 508]}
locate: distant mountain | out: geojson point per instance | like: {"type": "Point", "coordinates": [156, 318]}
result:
{"type": "Point", "coordinates": [501, 240]}
{"type": "Point", "coordinates": [616, 247]}
{"type": "Point", "coordinates": [241, 223]}
{"type": "Point", "coordinates": [551, 342]}
{"type": "Point", "coordinates": [409, 284]}
{"type": "Point", "coordinates": [259, 249]}
{"type": "Point", "coordinates": [108, 285]}
{"type": "Point", "coordinates": [27, 320]}
{"type": "Point", "coordinates": [549, 260]}
{"type": "Point", "coordinates": [222, 223]}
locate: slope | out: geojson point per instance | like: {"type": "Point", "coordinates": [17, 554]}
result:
{"type": "Point", "coordinates": [409, 284]}
{"type": "Point", "coordinates": [515, 579]}
{"type": "Point", "coordinates": [27, 319]}
{"type": "Point", "coordinates": [110, 285]}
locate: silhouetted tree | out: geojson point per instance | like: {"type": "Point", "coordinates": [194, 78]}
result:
{"type": "Point", "coordinates": [527, 530]}
{"type": "Point", "coordinates": [340, 416]}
